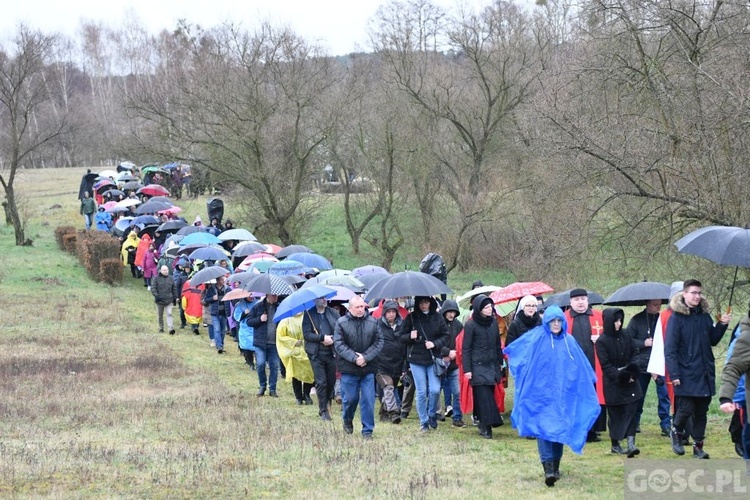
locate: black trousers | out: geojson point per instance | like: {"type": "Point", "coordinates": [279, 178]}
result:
{"type": "Point", "coordinates": [622, 420]}
{"type": "Point", "coordinates": [324, 370]}
{"type": "Point", "coordinates": [696, 407]}
{"type": "Point", "coordinates": [301, 389]}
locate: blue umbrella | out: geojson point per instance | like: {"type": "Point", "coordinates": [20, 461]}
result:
{"type": "Point", "coordinates": [310, 260]}
{"type": "Point", "coordinates": [287, 267]}
{"type": "Point", "coordinates": [358, 272]}
{"type": "Point", "coordinates": [199, 239]}
{"type": "Point", "coordinates": [301, 301]}
{"type": "Point", "coordinates": [208, 253]}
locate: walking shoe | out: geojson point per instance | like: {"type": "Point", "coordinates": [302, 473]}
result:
{"type": "Point", "coordinates": [432, 422]}
{"type": "Point", "coordinates": [396, 418]}
{"type": "Point", "coordinates": [738, 449]}
{"type": "Point", "coordinates": [367, 437]}
{"type": "Point", "coordinates": [459, 423]}
{"type": "Point", "coordinates": [449, 411]}
{"type": "Point", "coordinates": [348, 426]}
{"type": "Point", "coordinates": [325, 417]}
{"type": "Point", "coordinates": [308, 400]}
{"type": "Point", "coordinates": [616, 448]}
{"type": "Point", "coordinates": [698, 451]}
{"type": "Point", "coordinates": [665, 431]}
{"type": "Point", "coordinates": [404, 414]}
{"type": "Point", "coordinates": [196, 332]}
{"type": "Point", "coordinates": [474, 420]}
{"type": "Point", "coordinates": [424, 429]}
{"type": "Point", "coordinates": [171, 332]}
{"type": "Point", "coordinates": [213, 343]}
{"type": "Point", "coordinates": [273, 394]}
{"type": "Point", "coordinates": [161, 330]}
{"type": "Point", "coordinates": [441, 418]}
{"type": "Point", "coordinates": [261, 392]}
{"type": "Point", "coordinates": [300, 402]}
{"type": "Point", "coordinates": [677, 445]}
{"type": "Point", "coordinates": [183, 326]}
{"type": "Point", "coordinates": [485, 431]}
{"type": "Point", "coordinates": [220, 351]}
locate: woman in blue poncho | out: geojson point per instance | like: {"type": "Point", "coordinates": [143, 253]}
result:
{"type": "Point", "coordinates": [555, 399]}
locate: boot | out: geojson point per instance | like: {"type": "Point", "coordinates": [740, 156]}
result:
{"type": "Point", "coordinates": [616, 448]}
{"type": "Point", "coordinates": [485, 431]}
{"type": "Point", "coordinates": [556, 468]}
{"type": "Point", "coordinates": [677, 446]}
{"type": "Point", "coordinates": [698, 451]}
{"type": "Point", "coordinates": [549, 473]}
{"type": "Point", "coordinates": [632, 450]}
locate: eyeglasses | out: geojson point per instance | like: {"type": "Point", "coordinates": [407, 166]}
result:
{"type": "Point", "coordinates": [531, 306]}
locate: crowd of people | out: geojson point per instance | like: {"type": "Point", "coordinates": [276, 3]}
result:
{"type": "Point", "coordinates": [577, 372]}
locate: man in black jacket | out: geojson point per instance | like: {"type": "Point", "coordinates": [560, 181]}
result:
{"type": "Point", "coordinates": [317, 327]}
{"type": "Point", "coordinates": [357, 341]}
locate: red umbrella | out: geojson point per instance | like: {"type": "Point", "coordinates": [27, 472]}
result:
{"type": "Point", "coordinates": [273, 248]}
{"type": "Point", "coordinates": [153, 190]}
{"type": "Point", "coordinates": [515, 291]}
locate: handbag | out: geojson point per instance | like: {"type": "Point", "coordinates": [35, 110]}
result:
{"type": "Point", "coordinates": [439, 367]}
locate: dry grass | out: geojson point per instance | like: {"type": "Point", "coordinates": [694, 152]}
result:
{"type": "Point", "coordinates": [94, 403]}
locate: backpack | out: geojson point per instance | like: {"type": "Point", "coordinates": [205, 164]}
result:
{"type": "Point", "coordinates": [434, 265]}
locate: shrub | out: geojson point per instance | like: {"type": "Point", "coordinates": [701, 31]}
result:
{"type": "Point", "coordinates": [95, 247]}
{"type": "Point", "coordinates": [60, 232]}
{"type": "Point", "coordinates": [110, 271]}
{"type": "Point", "coordinates": [69, 242]}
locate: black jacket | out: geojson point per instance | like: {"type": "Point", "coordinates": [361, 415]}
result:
{"type": "Point", "coordinates": [391, 359]}
{"type": "Point", "coordinates": [522, 324]}
{"type": "Point", "coordinates": [163, 289]}
{"type": "Point", "coordinates": [260, 328]}
{"type": "Point", "coordinates": [313, 331]}
{"type": "Point", "coordinates": [617, 353]}
{"type": "Point", "coordinates": [430, 326]}
{"type": "Point", "coordinates": [354, 335]}
{"type": "Point", "coordinates": [641, 327]}
{"type": "Point", "coordinates": [482, 351]}
{"type": "Point", "coordinates": [454, 328]}
{"type": "Point", "coordinates": [688, 348]}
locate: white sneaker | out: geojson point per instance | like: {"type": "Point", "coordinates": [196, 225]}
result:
{"type": "Point", "coordinates": [213, 343]}
{"type": "Point", "coordinates": [148, 288]}
{"type": "Point", "coordinates": [448, 411]}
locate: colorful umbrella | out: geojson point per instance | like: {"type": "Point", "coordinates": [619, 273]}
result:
{"type": "Point", "coordinates": [287, 267]}
{"type": "Point", "coordinates": [238, 293]}
{"type": "Point", "coordinates": [199, 238]}
{"type": "Point", "coordinates": [273, 248]}
{"type": "Point", "coordinates": [153, 190]}
{"type": "Point", "coordinates": [518, 290]}
{"type": "Point", "coordinates": [259, 266]}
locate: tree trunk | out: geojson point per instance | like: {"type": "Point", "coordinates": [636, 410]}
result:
{"type": "Point", "coordinates": [15, 217]}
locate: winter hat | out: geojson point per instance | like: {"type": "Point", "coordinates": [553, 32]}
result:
{"type": "Point", "coordinates": [527, 299]}
{"type": "Point", "coordinates": [390, 305]}
{"type": "Point", "coordinates": [578, 292]}
{"type": "Point", "coordinates": [676, 288]}
{"type": "Point", "coordinates": [198, 221]}
{"type": "Point", "coordinates": [477, 284]}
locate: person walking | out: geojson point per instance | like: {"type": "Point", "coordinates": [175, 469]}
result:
{"type": "Point", "coordinates": [358, 342]}
{"type": "Point", "coordinates": [482, 362]}
{"type": "Point", "coordinates": [451, 384]}
{"type": "Point", "coordinates": [425, 333]}
{"type": "Point", "coordinates": [290, 346]}
{"type": "Point", "coordinates": [690, 362]}
{"type": "Point", "coordinates": [318, 325]}
{"type": "Point", "coordinates": [88, 209]}
{"type": "Point", "coordinates": [390, 362]}
{"type": "Point", "coordinates": [264, 340]}
{"type": "Point", "coordinates": [165, 297]}
{"type": "Point", "coordinates": [213, 297]}
{"type": "Point", "coordinates": [527, 317]}
{"type": "Point", "coordinates": [732, 395]}
{"type": "Point", "coordinates": [617, 353]}
{"type": "Point", "coordinates": [555, 400]}
{"type": "Point", "coordinates": [245, 332]}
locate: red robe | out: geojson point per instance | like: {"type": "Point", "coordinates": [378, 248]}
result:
{"type": "Point", "coordinates": [597, 327]}
{"type": "Point", "coordinates": [467, 394]}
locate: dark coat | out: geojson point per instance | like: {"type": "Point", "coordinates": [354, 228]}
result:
{"type": "Point", "coordinates": [354, 335]}
{"type": "Point", "coordinates": [688, 348]}
{"type": "Point", "coordinates": [737, 365]}
{"type": "Point", "coordinates": [642, 326]}
{"type": "Point", "coordinates": [313, 332]}
{"type": "Point", "coordinates": [391, 359]}
{"type": "Point", "coordinates": [482, 353]}
{"type": "Point", "coordinates": [617, 352]}
{"type": "Point", "coordinates": [216, 306]}
{"type": "Point", "coordinates": [163, 289]}
{"type": "Point", "coordinates": [260, 328]}
{"type": "Point", "coordinates": [430, 326]}
{"type": "Point", "coordinates": [520, 325]}
{"type": "Point", "coordinates": [454, 328]}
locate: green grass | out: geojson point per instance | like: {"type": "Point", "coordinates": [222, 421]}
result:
{"type": "Point", "coordinates": [94, 403]}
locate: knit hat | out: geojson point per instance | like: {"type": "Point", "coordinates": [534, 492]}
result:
{"type": "Point", "coordinates": [198, 221]}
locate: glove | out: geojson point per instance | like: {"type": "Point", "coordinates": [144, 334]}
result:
{"type": "Point", "coordinates": [174, 302]}
{"type": "Point", "coordinates": [623, 377]}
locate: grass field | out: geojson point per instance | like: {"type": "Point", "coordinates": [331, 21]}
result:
{"type": "Point", "coordinates": [95, 403]}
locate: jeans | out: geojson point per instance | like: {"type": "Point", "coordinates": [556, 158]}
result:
{"type": "Point", "coordinates": [267, 355]}
{"type": "Point", "coordinates": [549, 450]}
{"type": "Point", "coordinates": [360, 390]}
{"type": "Point", "coordinates": [89, 219]}
{"type": "Point", "coordinates": [452, 393]}
{"type": "Point", "coordinates": [220, 325]}
{"type": "Point", "coordinates": [160, 310]}
{"type": "Point", "coordinates": [427, 386]}
{"type": "Point", "coordinates": [662, 405]}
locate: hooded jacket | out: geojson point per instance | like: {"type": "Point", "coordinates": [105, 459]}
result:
{"type": "Point", "coordinates": [454, 328]}
{"type": "Point", "coordinates": [482, 350]}
{"type": "Point", "coordinates": [688, 351]}
{"type": "Point", "coordinates": [430, 326]}
{"type": "Point", "coordinates": [354, 335]}
{"type": "Point", "coordinates": [142, 249]}
{"type": "Point", "coordinates": [260, 328]}
{"type": "Point", "coordinates": [617, 354]}
{"type": "Point", "coordinates": [391, 359]}
{"type": "Point", "coordinates": [131, 241]}
{"type": "Point", "coordinates": [641, 327]}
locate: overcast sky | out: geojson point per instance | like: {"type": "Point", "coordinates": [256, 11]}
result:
{"type": "Point", "coordinates": [338, 24]}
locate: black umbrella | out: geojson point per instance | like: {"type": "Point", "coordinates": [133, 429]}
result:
{"type": "Point", "coordinates": [411, 283]}
{"type": "Point", "coordinates": [370, 279]}
{"type": "Point", "coordinates": [151, 207]}
{"type": "Point", "coordinates": [637, 294]}
{"type": "Point", "coordinates": [192, 229]}
{"type": "Point", "coordinates": [268, 283]}
{"type": "Point", "coordinates": [290, 249]}
{"type": "Point", "coordinates": [248, 248]}
{"type": "Point", "coordinates": [114, 193]}
{"type": "Point", "coordinates": [207, 274]}
{"type": "Point", "coordinates": [151, 229]}
{"type": "Point", "coordinates": [132, 186]}
{"type": "Point", "coordinates": [562, 299]}
{"type": "Point", "coordinates": [172, 226]}
{"type": "Point", "coordinates": [724, 245]}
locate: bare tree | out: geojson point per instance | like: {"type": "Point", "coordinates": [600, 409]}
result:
{"type": "Point", "coordinates": [28, 121]}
